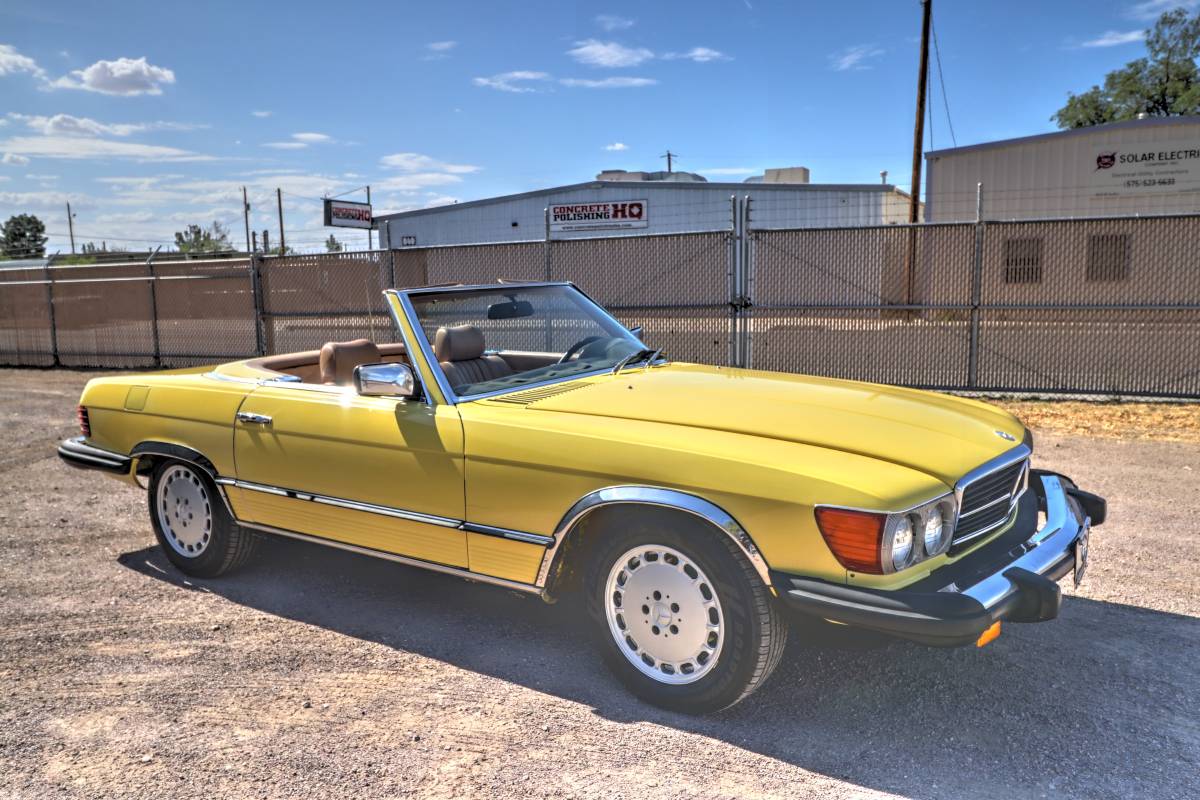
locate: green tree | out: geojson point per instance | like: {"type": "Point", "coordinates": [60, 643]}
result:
{"type": "Point", "coordinates": [23, 236]}
{"type": "Point", "coordinates": [204, 240]}
{"type": "Point", "coordinates": [1166, 83]}
{"type": "Point", "coordinates": [332, 245]}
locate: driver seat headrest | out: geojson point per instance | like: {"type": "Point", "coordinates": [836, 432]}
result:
{"type": "Point", "coordinates": [460, 343]}
{"type": "Point", "coordinates": [338, 360]}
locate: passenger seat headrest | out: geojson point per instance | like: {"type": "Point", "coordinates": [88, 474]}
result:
{"type": "Point", "coordinates": [338, 360]}
{"type": "Point", "coordinates": [460, 343]}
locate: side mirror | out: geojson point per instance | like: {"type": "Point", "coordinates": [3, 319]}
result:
{"type": "Point", "coordinates": [385, 380]}
{"type": "Point", "coordinates": [637, 332]}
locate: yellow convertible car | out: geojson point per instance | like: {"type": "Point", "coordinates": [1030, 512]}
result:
{"type": "Point", "coordinates": [518, 434]}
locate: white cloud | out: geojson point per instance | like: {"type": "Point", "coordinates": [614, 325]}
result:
{"type": "Point", "coordinates": [13, 158]}
{"type": "Point", "coordinates": [5, 178]}
{"type": "Point", "coordinates": [78, 147]}
{"type": "Point", "coordinates": [608, 83]}
{"type": "Point", "coordinates": [299, 141]}
{"type": "Point", "coordinates": [1152, 9]}
{"type": "Point", "coordinates": [262, 114]}
{"type": "Point", "coordinates": [69, 125]}
{"type": "Point", "coordinates": [512, 81]}
{"type": "Point", "coordinates": [416, 162]}
{"type": "Point", "coordinates": [1114, 38]}
{"type": "Point", "coordinates": [12, 62]}
{"type": "Point", "coordinates": [854, 57]}
{"type": "Point", "coordinates": [441, 47]}
{"type": "Point", "coordinates": [701, 55]}
{"type": "Point", "coordinates": [616, 147]}
{"type": "Point", "coordinates": [125, 76]}
{"type": "Point", "coordinates": [49, 199]}
{"type": "Point", "coordinates": [34, 177]}
{"type": "Point", "coordinates": [611, 22]}
{"type": "Point", "coordinates": [608, 54]}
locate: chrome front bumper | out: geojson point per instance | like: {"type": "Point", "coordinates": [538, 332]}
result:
{"type": "Point", "coordinates": [957, 603]}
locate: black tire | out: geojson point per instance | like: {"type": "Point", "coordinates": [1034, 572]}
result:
{"type": "Point", "coordinates": [192, 524]}
{"type": "Point", "coordinates": [753, 628]}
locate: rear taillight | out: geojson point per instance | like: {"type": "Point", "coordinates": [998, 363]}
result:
{"type": "Point", "coordinates": [85, 426]}
{"type": "Point", "coordinates": [855, 537]}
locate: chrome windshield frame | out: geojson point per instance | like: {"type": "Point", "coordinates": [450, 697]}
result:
{"type": "Point", "coordinates": [435, 368]}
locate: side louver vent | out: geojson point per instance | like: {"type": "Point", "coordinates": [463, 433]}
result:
{"type": "Point", "coordinates": [541, 393]}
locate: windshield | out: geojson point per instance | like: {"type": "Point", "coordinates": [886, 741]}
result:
{"type": "Point", "coordinates": [488, 340]}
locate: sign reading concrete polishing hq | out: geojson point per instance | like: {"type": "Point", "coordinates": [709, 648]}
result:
{"type": "Point", "coordinates": [342, 214]}
{"type": "Point", "coordinates": [608, 215]}
{"type": "Point", "coordinates": [1168, 167]}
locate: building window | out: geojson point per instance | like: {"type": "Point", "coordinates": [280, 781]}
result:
{"type": "Point", "coordinates": [1023, 260]}
{"type": "Point", "coordinates": [1108, 257]}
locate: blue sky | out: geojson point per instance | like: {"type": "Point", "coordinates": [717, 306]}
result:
{"type": "Point", "coordinates": [147, 116]}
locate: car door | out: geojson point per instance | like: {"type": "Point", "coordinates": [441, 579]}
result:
{"type": "Point", "coordinates": [376, 472]}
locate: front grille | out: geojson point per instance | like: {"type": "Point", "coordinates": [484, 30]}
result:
{"type": "Point", "coordinates": [987, 502]}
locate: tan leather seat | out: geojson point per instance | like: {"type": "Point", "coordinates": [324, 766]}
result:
{"type": "Point", "coordinates": [460, 351]}
{"type": "Point", "coordinates": [338, 360]}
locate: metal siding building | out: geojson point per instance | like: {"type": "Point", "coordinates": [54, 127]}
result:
{"type": "Point", "coordinates": [671, 208]}
{"type": "Point", "coordinates": [1069, 174]}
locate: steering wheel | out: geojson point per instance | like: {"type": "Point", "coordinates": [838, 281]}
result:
{"type": "Point", "coordinates": [578, 346]}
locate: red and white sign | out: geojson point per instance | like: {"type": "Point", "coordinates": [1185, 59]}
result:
{"type": "Point", "coordinates": [341, 214]}
{"type": "Point", "coordinates": [609, 215]}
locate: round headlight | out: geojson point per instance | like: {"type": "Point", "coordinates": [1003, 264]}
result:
{"type": "Point", "coordinates": [935, 531]}
{"type": "Point", "coordinates": [902, 542]}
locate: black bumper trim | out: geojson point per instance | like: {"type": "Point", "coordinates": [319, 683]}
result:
{"type": "Point", "coordinates": [80, 455]}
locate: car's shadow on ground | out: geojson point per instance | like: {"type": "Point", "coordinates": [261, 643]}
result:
{"type": "Point", "coordinates": [897, 718]}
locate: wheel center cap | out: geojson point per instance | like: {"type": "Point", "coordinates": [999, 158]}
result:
{"type": "Point", "coordinates": [661, 614]}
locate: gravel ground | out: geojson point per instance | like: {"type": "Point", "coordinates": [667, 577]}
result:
{"type": "Point", "coordinates": [317, 673]}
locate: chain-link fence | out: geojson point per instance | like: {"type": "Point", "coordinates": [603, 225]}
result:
{"type": "Point", "coordinates": [1103, 306]}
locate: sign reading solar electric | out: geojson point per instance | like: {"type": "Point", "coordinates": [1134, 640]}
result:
{"type": "Point", "coordinates": [341, 214]}
{"type": "Point", "coordinates": [606, 216]}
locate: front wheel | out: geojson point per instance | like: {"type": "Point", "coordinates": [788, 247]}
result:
{"type": "Point", "coordinates": [681, 617]}
{"type": "Point", "coordinates": [191, 523]}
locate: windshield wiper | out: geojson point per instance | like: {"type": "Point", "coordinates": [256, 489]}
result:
{"type": "Point", "coordinates": [645, 354]}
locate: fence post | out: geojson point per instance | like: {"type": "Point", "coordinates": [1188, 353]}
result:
{"type": "Point", "coordinates": [734, 259]}
{"type": "Point", "coordinates": [154, 307]}
{"type": "Point", "coordinates": [976, 280]}
{"type": "Point", "coordinates": [256, 289]}
{"type": "Point", "coordinates": [548, 265]}
{"type": "Point", "coordinates": [50, 308]}
{"type": "Point", "coordinates": [746, 301]}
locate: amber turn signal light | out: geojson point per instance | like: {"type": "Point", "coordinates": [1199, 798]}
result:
{"type": "Point", "coordinates": [990, 635]}
{"type": "Point", "coordinates": [855, 537]}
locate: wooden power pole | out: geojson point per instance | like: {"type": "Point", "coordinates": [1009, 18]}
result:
{"type": "Point", "coordinates": [246, 219]}
{"type": "Point", "coordinates": [919, 128]}
{"type": "Point", "coordinates": [279, 202]}
{"type": "Point", "coordinates": [71, 227]}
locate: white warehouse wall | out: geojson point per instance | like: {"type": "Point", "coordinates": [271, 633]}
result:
{"type": "Point", "coordinates": [1063, 174]}
{"type": "Point", "coordinates": [672, 208]}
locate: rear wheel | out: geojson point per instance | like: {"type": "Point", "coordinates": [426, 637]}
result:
{"type": "Point", "coordinates": [192, 524]}
{"type": "Point", "coordinates": [681, 616]}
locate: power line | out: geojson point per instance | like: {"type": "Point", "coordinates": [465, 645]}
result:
{"type": "Point", "coordinates": [937, 53]}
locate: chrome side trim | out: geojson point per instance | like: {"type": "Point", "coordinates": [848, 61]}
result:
{"type": "Point", "coordinates": [507, 533]}
{"type": "Point", "coordinates": [399, 559]}
{"type": "Point", "coordinates": [662, 498]}
{"type": "Point", "coordinates": [352, 505]}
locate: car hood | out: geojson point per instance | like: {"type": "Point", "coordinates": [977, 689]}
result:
{"type": "Point", "coordinates": [937, 434]}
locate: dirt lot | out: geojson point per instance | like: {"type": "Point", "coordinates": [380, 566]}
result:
{"type": "Point", "coordinates": [321, 674]}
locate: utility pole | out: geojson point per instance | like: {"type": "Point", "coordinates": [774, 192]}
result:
{"type": "Point", "coordinates": [266, 242]}
{"type": "Point", "coordinates": [71, 227]}
{"type": "Point", "coordinates": [919, 126]}
{"type": "Point", "coordinates": [669, 156]}
{"type": "Point", "coordinates": [371, 230]}
{"type": "Point", "coordinates": [282, 241]}
{"type": "Point", "coordinates": [254, 241]}
{"type": "Point", "coordinates": [246, 219]}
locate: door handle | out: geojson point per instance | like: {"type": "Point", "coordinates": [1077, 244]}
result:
{"type": "Point", "coordinates": [252, 418]}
